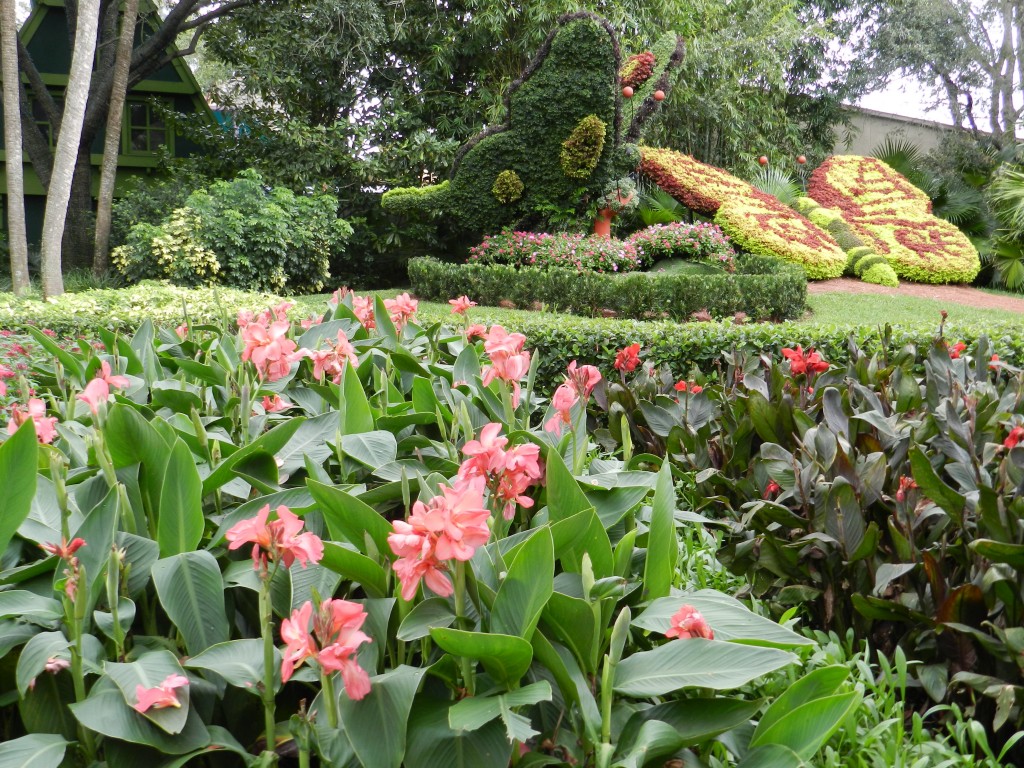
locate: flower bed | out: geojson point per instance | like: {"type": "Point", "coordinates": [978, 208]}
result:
{"type": "Point", "coordinates": [558, 251]}
{"type": "Point", "coordinates": [703, 242]}
{"type": "Point", "coordinates": [762, 288]}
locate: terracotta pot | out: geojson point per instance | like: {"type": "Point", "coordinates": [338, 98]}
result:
{"type": "Point", "coordinates": [603, 222]}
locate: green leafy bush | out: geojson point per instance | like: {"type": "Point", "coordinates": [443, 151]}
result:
{"type": "Point", "coordinates": [581, 152]}
{"type": "Point", "coordinates": [762, 288]}
{"type": "Point", "coordinates": [239, 233]}
{"type": "Point", "coordinates": [150, 200]}
{"type": "Point", "coordinates": [702, 241]}
{"type": "Point", "coordinates": [562, 251]}
{"type": "Point", "coordinates": [508, 187]}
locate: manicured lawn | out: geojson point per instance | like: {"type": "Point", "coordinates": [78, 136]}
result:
{"type": "Point", "coordinates": [876, 309]}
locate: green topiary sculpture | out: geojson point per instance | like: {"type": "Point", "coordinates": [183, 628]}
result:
{"type": "Point", "coordinates": [563, 140]}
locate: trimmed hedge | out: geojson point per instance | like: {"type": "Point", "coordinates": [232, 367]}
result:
{"type": "Point", "coordinates": [558, 338]}
{"type": "Point", "coordinates": [763, 288]}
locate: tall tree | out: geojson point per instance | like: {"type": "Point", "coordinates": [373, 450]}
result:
{"type": "Point", "coordinates": [68, 139]}
{"type": "Point", "coordinates": [16, 238]}
{"type": "Point", "coordinates": [112, 138]}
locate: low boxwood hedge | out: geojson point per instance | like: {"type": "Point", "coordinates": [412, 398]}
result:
{"type": "Point", "coordinates": [558, 338]}
{"type": "Point", "coordinates": [764, 288]}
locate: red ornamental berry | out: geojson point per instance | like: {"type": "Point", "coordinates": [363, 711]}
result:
{"type": "Point", "coordinates": [763, 160]}
{"type": "Point", "coordinates": [801, 159]}
{"type": "Point", "coordinates": [659, 95]}
{"type": "Point", "coordinates": [627, 92]}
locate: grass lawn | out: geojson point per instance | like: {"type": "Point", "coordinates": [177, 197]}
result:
{"type": "Point", "coordinates": [876, 309]}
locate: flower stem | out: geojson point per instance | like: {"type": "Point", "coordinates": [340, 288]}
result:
{"type": "Point", "coordinates": [75, 610]}
{"type": "Point", "coordinates": [328, 695]}
{"type": "Point", "coordinates": [465, 662]}
{"type": "Point", "coordinates": [267, 628]}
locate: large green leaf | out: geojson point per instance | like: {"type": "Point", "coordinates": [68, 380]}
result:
{"type": "Point", "coordinates": [727, 617]}
{"type": "Point", "coordinates": [506, 658]}
{"type": "Point", "coordinates": [653, 739]}
{"type": "Point", "coordinates": [37, 750]}
{"type": "Point", "coordinates": [565, 497]}
{"type": "Point", "coordinates": [695, 663]}
{"type": "Point", "coordinates": [240, 662]}
{"type": "Point", "coordinates": [106, 712]}
{"type": "Point", "coordinates": [72, 364]}
{"type": "Point", "coordinates": [349, 518]}
{"type": "Point", "coordinates": [191, 591]}
{"type": "Point", "coordinates": [345, 561]}
{"type": "Point", "coordinates": [22, 604]}
{"type": "Point", "coordinates": [356, 415]}
{"type": "Point", "coordinates": [37, 651]}
{"type": "Point", "coordinates": [97, 530]}
{"type": "Point", "coordinates": [806, 728]}
{"type": "Point", "coordinates": [429, 613]}
{"type": "Point", "coordinates": [1000, 552]}
{"type": "Point", "coordinates": [526, 588]}
{"type": "Point", "coordinates": [474, 712]}
{"type": "Point", "coordinates": [376, 725]}
{"type": "Point", "coordinates": [18, 457]}
{"type": "Point", "coordinates": [271, 442]}
{"type": "Point", "coordinates": [662, 543]}
{"type": "Point", "coordinates": [311, 439]}
{"type": "Point", "coordinates": [694, 719]}
{"type": "Point", "coordinates": [436, 745]}
{"type": "Point", "coordinates": [932, 486]}
{"type": "Point", "coordinates": [814, 685]}
{"type": "Point", "coordinates": [372, 449]}
{"type": "Point", "coordinates": [149, 671]}
{"type": "Point", "coordinates": [181, 521]}
{"type": "Point", "coordinates": [771, 756]}
{"type": "Point", "coordinates": [574, 685]}
{"type": "Point", "coordinates": [572, 621]}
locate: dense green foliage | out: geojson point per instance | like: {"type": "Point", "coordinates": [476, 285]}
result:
{"type": "Point", "coordinates": [762, 288]}
{"type": "Point", "coordinates": [239, 233]}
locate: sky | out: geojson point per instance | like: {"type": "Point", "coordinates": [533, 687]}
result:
{"type": "Point", "coordinates": [906, 97]}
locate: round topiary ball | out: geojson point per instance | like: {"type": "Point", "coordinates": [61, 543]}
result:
{"type": "Point", "coordinates": [508, 187]}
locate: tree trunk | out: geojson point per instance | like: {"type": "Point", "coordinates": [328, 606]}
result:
{"type": "Point", "coordinates": [68, 141]}
{"type": "Point", "coordinates": [16, 238]}
{"type": "Point", "coordinates": [112, 144]}
{"type": "Point", "coordinates": [77, 242]}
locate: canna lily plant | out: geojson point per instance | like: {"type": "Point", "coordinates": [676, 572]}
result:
{"type": "Point", "coordinates": [356, 541]}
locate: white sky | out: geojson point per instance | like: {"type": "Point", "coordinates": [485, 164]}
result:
{"type": "Point", "coordinates": [908, 98]}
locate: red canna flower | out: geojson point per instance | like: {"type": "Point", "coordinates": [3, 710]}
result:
{"type": "Point", "coordinates": [688, 623]}
{"type": "Point", "coordinates": [906, 484]}
{"type": "Point", "coordinates": [1016, 436]}
{"type": "Point", "coordinates": [804, 362]}
{"type": "Point", "coordinates": [993, 363]}
{"type": "Point", "coordinates": [626, 360]}
{"type": "Point", "coordinates": [771, 490]}
{"type": "Point", "coordinates": [954, 352]}
{"type": "Point", "coordinates": [64, 550]}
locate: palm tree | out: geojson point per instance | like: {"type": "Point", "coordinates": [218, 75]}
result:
{"type": "Point", "coordinates": [16, 238]}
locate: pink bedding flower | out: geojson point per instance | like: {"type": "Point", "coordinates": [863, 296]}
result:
{"type": "Point", "coordinates": [333, 642]}
{"type": "Point", "coordinates": [449, 527]}
{"type": "Point", "coordinates": [279, 540]}
{"type": "Point", "coordinates": [461, 305]}
{"type": "Point", "coordinates": [162, 696]}
{"type": "Point", "coordinates": [46, 426]}
{"type": "Point", "coordinates": [687, 623]}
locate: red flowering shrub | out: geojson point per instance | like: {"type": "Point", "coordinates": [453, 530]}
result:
{"type": "Point", "coordinates": [538, 249]}
{"type": "Point", "coordinates": [757, 222]}
{"type": "Point", "coordinates": [637, 69]}
{"type": "Point", "coordinates": [894, 217]}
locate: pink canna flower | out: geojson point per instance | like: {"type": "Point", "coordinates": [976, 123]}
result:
{"type": "Point", "coordinates": [362, 307]}
{"type": "Point", "coordinates": [95, 393]}
{"type": "Point", "coordinates": [182, 331]}
{"type": "Point", "coordinates": [278, 540]}
{"type": "Point", "coordinates": [3, 389]}
{"type": "Point", "coordinates": [162, 696]}
{"type": "Point", "coordinates": [46, 426]}
{"type": "Point", "coordinates": [502, 343]}
{"type": "Point", "coordinates": [274, 404]}
{"type": "Point", "coordinates": [402, 309]}
{"type": "Point", "coordinates": [688, 623]}
{"type": "Point", "coordinates": [64, 550]}
{"type": "Point", "coordinates": [309, 322]}
{"type": "Point", "coordinates": [583, 379]}
{"type": "Point", "coordinates": [507, 473]}
{"type": "Point", "coordinates": [562, 401]}
{"type": "Point", "coordinates": [476, 331]}
{"type": "Point", "coordinates": [331, 362]}
{"type": "Point", "coordinates": [339, 295]}
{"type": "Point", "coordinates": [461, 305]}
{"type": "Point", "coordinates": [509, 362]}
{"type": "Point", "coordinates": [54, 665]}
{"type": "Point", "coordinates": [269, 348]}
{"type": "Point", "coordinates": [333, 642]}
{"type": "Point", "coordinates": [116, 382]}
{"type": "Point", "coordinates": [449, 527]}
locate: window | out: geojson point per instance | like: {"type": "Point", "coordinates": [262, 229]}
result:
{"type": "Point", "coordinates": [144, 128]}
{"type": "Point", "coordinates": [39, 115]}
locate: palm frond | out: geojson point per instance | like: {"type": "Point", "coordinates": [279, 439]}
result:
{"type": "Point", "coordinates": [659, 207]}
{"type": "Point", "coordinates": [906, 158]}
{"type": "Point", "coordinates": [1007, 195]}
{"type": "Point", "coordinates": [1007, 260]}
{"type": "Point", "coordinates": [774, 181]}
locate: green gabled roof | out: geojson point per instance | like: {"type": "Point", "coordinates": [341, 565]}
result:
{"type": "Point", "coordinates": [45, 36]}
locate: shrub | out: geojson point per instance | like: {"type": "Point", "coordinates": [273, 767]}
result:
{"type": "Point", "coordinates": [763, 288]}
{"type": "Point", "coordinates": [637, 70]}
{"type": "Point", "coordinates": [702, 241]}
{"type": "Point", "coordinates": [151, 200]}
{"type": "Point", "coordinates": [861, 259]}
{"type": "Point", "coordinates": [545, 251]}
{"type": "Point", "coordinates": [894, 217]}
{"type": "Point", "coordinates": [239, 233]}
{"type": "Point", "coordinates": [581, 152]}
{"type": "Point", "coordinates": [508, 187]}
{"type": "Point", "coordinates": [755, 221]}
